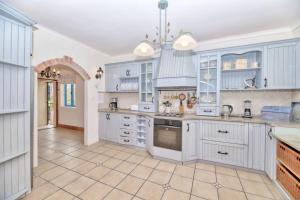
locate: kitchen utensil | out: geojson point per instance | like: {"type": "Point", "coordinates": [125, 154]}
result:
{"type": "Point", "coordinates": [182, 97]}
{"type": "Point", "coordinates": [295, 113]}
{"type": "Point", "coordinates": [227, 110]}
{"type": "Point", "coordinates": [113, 105]}
{"type": "Point", "coordinates": [247, 109]}
{"type": "Point", "coordinates": [250, 82]}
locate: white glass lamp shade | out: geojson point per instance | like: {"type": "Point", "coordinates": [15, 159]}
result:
{"type": "Point", "coordinates": [185, 42]}
{"type": "Point", "coordinates": [144, 49]}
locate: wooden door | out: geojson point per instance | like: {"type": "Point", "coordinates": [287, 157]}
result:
{"type": "Point", "coordinates": [15, 70]}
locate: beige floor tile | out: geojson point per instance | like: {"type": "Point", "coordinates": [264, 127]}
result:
{"type": "Point", "coordinates": [99, 159]}
{"type": "Point", "coordinates": [275, 192]}
{"type": "Point", "coordinates": [60, 194]}
{"type": "Point", "coordinates": [111, 152]}
{"type": "Point", "coordinates": [88, 156]}
{"type": "Point", "coordinates": [37, 181]}
{"type": "Point", "coordinates": [205, 190]}
{"type": "Point", "coordinates": [42, 192]}
{"type": "Point", "coordinates": [125, 167]}
{"type": "Point", "coordinates": [85, 167]}
{"type": "Point", "coordinates": [69, 150]}
{"type": "Point", "coordinates": [150, 162]}
{"type": "Point", "coordinates": [141, 172]}
{"type": "Point", "coordinates": [43, 167]}
{"type": "Point", "coordinates": [174, 194]}
{"type": "Point", "coordinates": [135, 159]}
{"type": "Point", "coordinates": [65, 179]}
{"type": "Point", "coordinates": [98, 172]}
{"type": "Point", "coordinates": [78, 153]}
{"type": "Point", "coordinates": [142, 153]}
{"type": "Point", "coordinates": [53, 173]}
{"type": "Point", "coordinates": [118, 195]}
{"type": "Point", "coordinates": [62, 160]}
{"type": "Point", "coordinates": [181, 183]}
{"type": "Point", "coordinates": [205, 176]}
{"type": "Point", "coordinates": [112, 163]}
{"type": "Point", "coordinates": [229, 194]}
{"type": "Point", "coordinates": [96, 192]}
{"type": "Point", "coordinates": [229, 182]}
{"type": "Point", "coordinates": [130, 184]}
{"type": "Point", "coordinates": [192, 164]}
{"type": "Point", "coordinates": [256, 188]}
{"type": "Point", "coordinates": [100, 149]}
{"type": "Point", "coordinates": [205, 166]}
{"type": "Point", "coordinates": [266, 179]}
{"type": "Point", "coordinates": [226, 171]}
{"type": "Point", "coordinates": [122, 155]}
{"type": "Point", "coordinates": [255, 197]}
{"type": "Point", "coordinates": [150, 191]}
{"type": "Point", "coordinates": [197, 198]}
{"type": "Point", "coordinates": [79, 185]}
{"type": "Point", "coordinates": [166, 166]}
{"type": "Point", "coordinates": [160, 177]}
{"type": "Point", "coordinates": [73, 163]}
{"type": "Point", "coordinates": [113, 178]}
{"type": "Point", "coordinates": [184, 171]}
{"type": "Point", "coordinates": [249, 176]}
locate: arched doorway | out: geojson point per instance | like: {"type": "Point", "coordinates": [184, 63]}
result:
{"type": "Point", "coordinates": [68, 63]}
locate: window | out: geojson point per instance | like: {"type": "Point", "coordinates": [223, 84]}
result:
{"type": "Point", "coordinates": [69, 94]}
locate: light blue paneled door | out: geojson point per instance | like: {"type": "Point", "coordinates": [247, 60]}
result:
{"type": "Point", "coordinates": [15, 49]}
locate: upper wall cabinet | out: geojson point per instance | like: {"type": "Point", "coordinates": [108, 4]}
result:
{"type": "Point", "coordinates": [122, 77]}
{"type": "Point", "coordinates": [146, 86]}
{"type": "Point", "coordinates": [282, 65]}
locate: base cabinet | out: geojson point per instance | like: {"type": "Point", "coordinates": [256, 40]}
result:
{"type": "Point", "coordinates": [109, 127]}
{"type": "Point", "coordinates": [149, 134]}
{"type": "Point", "coordinates": [189, 138]}
{"type": "Point", "coordinates": [270, 160]}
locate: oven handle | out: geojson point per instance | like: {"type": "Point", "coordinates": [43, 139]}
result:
{"type": "Point", "coordinates": [165, 126]}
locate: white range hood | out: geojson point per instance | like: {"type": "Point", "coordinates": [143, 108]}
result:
{"type": "Point", "coordinates": [175, 69]}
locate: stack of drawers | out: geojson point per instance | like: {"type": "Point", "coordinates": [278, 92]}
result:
{"type": "Point", "coordinates": [225, 142]}
{"type": "Point", "coordinates": [288, 169]}
{"type": "Point", "coordinates": [128, 129]}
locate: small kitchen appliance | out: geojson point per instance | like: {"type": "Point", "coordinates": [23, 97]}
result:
{"type": "Point", "coordinates": [227, 110]}
{"type": "Point", "coordinates": [113, 105]}
{"type": "Point", "coordinates": [295, 112]}
{"type": "Point", "coordinates": [247, 109]}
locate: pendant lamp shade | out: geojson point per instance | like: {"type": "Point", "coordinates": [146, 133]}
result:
{"type": "Point", "coordinates": [144, 49]}
{"type": "Point", "coordinates": [185, 42]}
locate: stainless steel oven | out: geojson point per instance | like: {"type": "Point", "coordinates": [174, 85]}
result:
{"type": "Point", "coordinates": [168, 134]}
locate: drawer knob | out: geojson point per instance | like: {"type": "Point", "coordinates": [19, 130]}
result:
{"type": "Point", "coordinates": [126, 125]}
{"type": "Point", "coordinates": [126, 132]}
{"type": "Point", "coordinates": [207, 111]}
{"type": "Point", "coordinates": [220, 131]}
{"type": "Point", "coordinates": [223, 153]}
{"type": "Point", "coordinates": [126, 140]}
{"type": "Point", "coordinates": [126, 117]}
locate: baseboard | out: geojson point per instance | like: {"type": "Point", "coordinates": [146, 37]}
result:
{"type": "Point", "coordinates": [70, 127]}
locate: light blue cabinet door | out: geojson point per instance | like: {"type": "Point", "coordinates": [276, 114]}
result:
{"type": "Point", "coordinates": [189, 140]}
{"type": "Point", "coordinates": [280, 66]}
{"type": "Point", "coordinates": [112, 78]}
{"type": "Point", "coordinates": [298, 65]}
{"type": "Point", "coordinates": [128, 70]}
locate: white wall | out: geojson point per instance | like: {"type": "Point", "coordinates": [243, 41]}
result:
{"type": "Point", "coordinates": [42, 103]}
{"type": "Point", "coordinates": [72, 116]}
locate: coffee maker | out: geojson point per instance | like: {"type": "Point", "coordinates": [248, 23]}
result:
{"type": "Point", "coordinates": [113, 105]}
{"type": "Point", "coordinates": [247, 109]}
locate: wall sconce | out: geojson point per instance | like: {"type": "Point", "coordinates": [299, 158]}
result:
{"type": "Point", "coordinates": [99, 73]}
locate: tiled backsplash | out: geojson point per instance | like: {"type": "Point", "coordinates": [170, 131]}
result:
{"type": "Point", "coordinates": [258, 98]}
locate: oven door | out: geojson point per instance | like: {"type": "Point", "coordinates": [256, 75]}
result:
{"type": "Point", "coordinates": [168, 137]}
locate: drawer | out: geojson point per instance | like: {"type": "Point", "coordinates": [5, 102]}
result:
{"type": "Point", "coordinates": [232, 154]}
{"type": "Point", "coordinates": [288, 181]}
{"type": "Point", "coordinates": [127, 140]}
{"type": "Point", "coordinates": [289, 157]}
{"type": "Point", "coordinates": [208, 111]}
{"type": "Point", "coordinates": [127, 133]}
{"type": "Point", "coordinates": [236, 133]}
{"type": "Point", "coordinates": [146, 107]}
{"type": "Point", "coordinates": [128, 125]}
{"type": "Point", "coordinates": [128, 118]}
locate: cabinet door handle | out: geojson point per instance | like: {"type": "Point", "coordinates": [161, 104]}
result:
{"type": "Point", "coordinates": [126, 140]}
{"type": "Point", "coordinates": [188, 127]}
{"type": "Point", "coordinates": [146, 108]}
{"type": "Point", "coordinates": [152, 99]}
{"type": "Point", "coordinates": [266, 82]}
{"type": "Point", "coordinates": [117, 87]}
{"type": "Point", "coordinates": [220, 131]}
{"type": "Point", "coordinates": [269, 133]}
{"type": "Point", "coordinates": [108, 116]}
{"type": "Point", "coordinates": [127, 72]}
{"type": "Point", "coordinates": [149, 122]}
{"type": "Point", "coordinates": [126, 132]}
{"type": "Point", "coordinates": [126, 117]}
{"type": "Point", "coordinates": [223, 153]}
{"type": "Point", "coordinates": [127, 125]}
{"type": "Point", "coordinates": [207, 111]}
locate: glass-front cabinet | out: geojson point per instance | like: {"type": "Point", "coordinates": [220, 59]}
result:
{"type": "Point", "coordinates": [208, 86]}
{"type": "Point", "coordinates": [146, 93]}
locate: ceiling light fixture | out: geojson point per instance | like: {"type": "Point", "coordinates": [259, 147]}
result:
{"type": "Point", "coordinates": [184, 42]}
{"type": "Point", "coordinates": [48, 73]}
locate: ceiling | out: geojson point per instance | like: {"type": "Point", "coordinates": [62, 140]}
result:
{"type": "Point", "coordinates": [116, 26]}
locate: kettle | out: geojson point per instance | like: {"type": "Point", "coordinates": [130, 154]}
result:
{"type": "Point", "coordinates": [227, 110]}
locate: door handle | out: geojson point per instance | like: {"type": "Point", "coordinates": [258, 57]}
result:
{"type": "Point", "coordinates": [117, 87]}
{"type": "Point", "coordinates": [188, 127]}
{"type": "Point", "coordinates": [108, 116]}
{"type": "Point", "coordinates": [223, 153]}
{"type": "Point", "coordinates": [127, 72]}
{"type": "Point", "coordinates": [220, 131]}
{"type": "Point", "coordinates": [149, 122]}
{"type": "Point", "coordinates": [127, 125]}
{"type": "Point", "coordinates": [269, 133]}
{"type": "Point", "coordinates": [266, 82]}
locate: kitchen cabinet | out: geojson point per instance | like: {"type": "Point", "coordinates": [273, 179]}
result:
{"type": "Point", "coordinates": [270, 160]}
{"type": "Point", "coordinates": [112, 78]}
{"type": "Point", "coordinates": [149, 134]}
{"type": "Point", "coordinates": [208, 84]}
{"type": "Point", "coordinates": [189, 138]}
{"type": "Point", "coordinates": [129, 69]}
{"type": "Point", "coordinates": [146, 86]}
{"type": "Point", "coordinates": [109, 128]}
{"type": "Point", "coordinates": [281, 63]}
{"type": "Point", "coordinates": [257, 140]}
